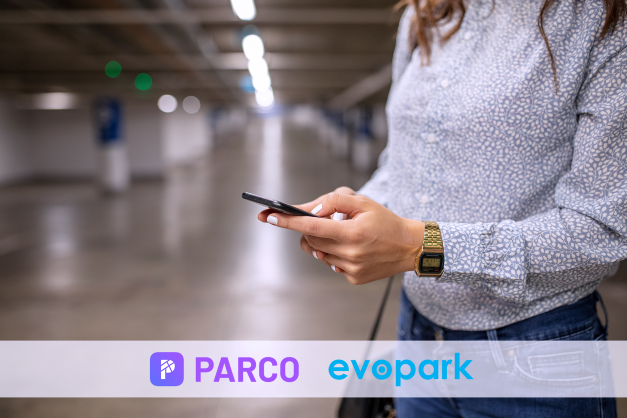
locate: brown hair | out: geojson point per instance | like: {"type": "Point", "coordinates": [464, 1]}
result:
{"type": "Point", "coordinates": [430, 13]}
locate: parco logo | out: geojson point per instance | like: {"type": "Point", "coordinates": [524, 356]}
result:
{"type": "Point", "coordinates": [167, 369]}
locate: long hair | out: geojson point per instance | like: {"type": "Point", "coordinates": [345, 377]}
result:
{"type": "Point", "coordinates": [431, 13]}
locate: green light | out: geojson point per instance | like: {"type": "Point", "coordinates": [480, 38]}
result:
{"type": "Point", "coordinates": [113, 69]}
{"type": "Point", "coordinates": [143, 81]}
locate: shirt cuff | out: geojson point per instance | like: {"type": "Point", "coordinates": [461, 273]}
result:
{"type": "Point", "coordinates": [485, 255]}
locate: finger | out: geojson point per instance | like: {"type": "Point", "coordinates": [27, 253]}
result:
{"type": "Point", "coordinates": [333, 267]}
{"type": "Point", "coordinates": [263, 215]}
{"type": "Point", "coordinates": [352, 279]}
{"type": "Point", "coordinates": [325, 244]}
{"type": "Point", "coordinates": [304, 245]}
{"type": "Point", "coordinates": [345, 190]}
{"type": "Point", "coordinates": [340, 264]}
{"type": "Point", "coordinates": [306, 225]}
{"type": "Point", "coordinates": [310, 206]}
{"type": "Point", "coordinates": [343, 204]}
{"type": "Point", "coordinates": [323, 257]}
{"type": "Point", "coordinates": [336, 269]}
{"type": "Point", "coordinates": [318, 255]}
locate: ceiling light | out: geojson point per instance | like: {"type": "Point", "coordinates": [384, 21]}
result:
{"type": "Point", "coordinates": [113, 69]}
{"type": "Point", "coordinates": [265, 98]}
{"type": "Point", "coordinates": [244, 9]}
{"type": "Point", "coordinates": [253, 47]}
{"type": "Point", "coordinates": [258, 68]}
{"type": "Point", "coordinates": [262, 83]}
{"type": "Point", "coordinates": [167, 103]}
{"type": "Point", "coordinates": [54, 101]}
{"type": "Point", "coordinates": [191, 104]}
{"type": "Point", "coordinates": [143, 81]}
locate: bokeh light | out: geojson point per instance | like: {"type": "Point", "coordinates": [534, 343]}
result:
{"type": "Point", "coordinates": [143, 81]}
{"type": "Point", "coordinates": [244, 9]}
{"type": "Point", "coordinates": [253, 47]}
{"type": "Point", "coordinates": [113, 69]}
{"type": "Point", "coordinates": [258, 68]}
{"type": "Point", "coordinates": [262, 83]}
{"type": "Point", "coordinates": [191, 104]}
{"type": "Point", "coordinates": [265, 99]}
{"type": "Point", "coordinates": [167, 103]}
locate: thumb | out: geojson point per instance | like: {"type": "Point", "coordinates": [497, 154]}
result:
{"type": "Point", "coordinates": [343, 203]}
{"type": "Point", "coordinates": [309, 206]}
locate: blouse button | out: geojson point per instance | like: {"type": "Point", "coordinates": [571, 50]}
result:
{"type": "Point", "coordinates": [432, 138]}
{"type": "Point", "coordinates": [424, 200]}
{"type": "Point", "coordinates": [445, 83]}
{"type": "Point", "coordinates": [467, 36]}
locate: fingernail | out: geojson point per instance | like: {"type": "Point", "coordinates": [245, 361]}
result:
{"type": "Point", "coordinates": [317, 209]}
{"type": "Point", "coordinates": [338, 216]}
{"type": "Point", "coordinates": [333, 268]}
{"type": "Point", "coordinates": [272, 220]}
{"type": "Point", "coordinates": [315, 255]}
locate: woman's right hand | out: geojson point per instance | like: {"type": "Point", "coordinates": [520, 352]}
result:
{"type": "Point", "coordinates": [319, 255]}
{"type": "Point", "coordinates": [309, 206]}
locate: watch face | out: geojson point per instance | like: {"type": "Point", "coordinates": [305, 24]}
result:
{"type": "Point", "coordinates": [431, 263]}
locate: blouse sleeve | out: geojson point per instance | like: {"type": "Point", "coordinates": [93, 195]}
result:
{"type": "Point", "coordinates": [586, 234]}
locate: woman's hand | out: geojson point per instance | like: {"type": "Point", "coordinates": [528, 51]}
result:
{"type": "Point", "coordinates": [372, 244]}
{"type": "Point", "coordinates": [309, 206]}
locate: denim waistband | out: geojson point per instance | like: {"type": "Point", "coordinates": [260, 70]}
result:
{"type": "Point", "coordinates": [557, 323]}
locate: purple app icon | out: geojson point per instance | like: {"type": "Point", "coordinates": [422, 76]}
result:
{"type": "Point", "coordinates": [167, 369]}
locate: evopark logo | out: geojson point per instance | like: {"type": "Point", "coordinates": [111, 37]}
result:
{"type": "Point", "coordinates": [167, 369]}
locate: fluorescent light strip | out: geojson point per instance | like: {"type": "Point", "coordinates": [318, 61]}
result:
{"type": "Point", "coordinates": [253, 47]}
{"type": "Point", "coordinates": [258, 67]}
{"type": "Point", "coordinates": [244, 9]}
{"type": "Point", "coordinates": [262, 83]}
{"type": "Point", "coordinates": [265, 99]}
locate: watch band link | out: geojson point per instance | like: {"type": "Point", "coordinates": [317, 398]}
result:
{"type": "Point", "coordinates": [433, 236]}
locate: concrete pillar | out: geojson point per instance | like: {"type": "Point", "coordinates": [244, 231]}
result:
{"type": "Point", "coordinates": [363, 143]}
{"type": "Point", "coordinates": [114, 174]}
{"type": "Point", "coordinates": [340, 136]}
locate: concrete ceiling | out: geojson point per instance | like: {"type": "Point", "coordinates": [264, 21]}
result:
{"type": "Point", "coordinates": [318, 51]}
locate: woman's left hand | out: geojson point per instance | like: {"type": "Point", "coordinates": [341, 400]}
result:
{"type": "Point", "coordinates": [372, 244]}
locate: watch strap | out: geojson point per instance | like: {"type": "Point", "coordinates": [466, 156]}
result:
{"type": "Point", "coordinates": [433, 237]}
{"type": "Point", "coordinates": [432, 243]}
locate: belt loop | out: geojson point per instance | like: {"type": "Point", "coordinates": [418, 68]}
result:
{"type": "Point", "coordinates": [598, 298]}
{"type": "Point", "coordinates": [495, 349]}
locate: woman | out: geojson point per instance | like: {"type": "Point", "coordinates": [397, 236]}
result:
{"type": "Point", "coordinates": [508, 133]}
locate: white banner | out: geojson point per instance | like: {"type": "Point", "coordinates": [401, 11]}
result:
{"type": "Point", "coordinates": [313, 369]}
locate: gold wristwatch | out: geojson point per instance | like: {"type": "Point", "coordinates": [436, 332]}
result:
{"type": "Point", "coordinates": [430, 258]}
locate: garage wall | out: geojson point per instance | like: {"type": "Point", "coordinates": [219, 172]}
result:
{"type": "Point", "coordinates": [15, 164]}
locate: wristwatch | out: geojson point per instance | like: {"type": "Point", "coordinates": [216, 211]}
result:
{"type": "Point", "coordinates": [430, 258]}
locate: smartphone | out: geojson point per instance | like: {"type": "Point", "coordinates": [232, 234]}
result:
{"type": "Point", "coordinates": [276, 205]}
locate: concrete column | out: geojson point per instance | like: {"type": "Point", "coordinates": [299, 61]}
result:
{"type": "Point", "coordinates": [113, 170]}
{"type": "Point", "coordinates": [363, 144]}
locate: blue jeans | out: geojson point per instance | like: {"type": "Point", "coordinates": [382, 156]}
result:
{"type": "Point", "coordinates": [578, 321]}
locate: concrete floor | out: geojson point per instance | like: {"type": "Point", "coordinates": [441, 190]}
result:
{"type": "Point", "coordinates": [187, 260]}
